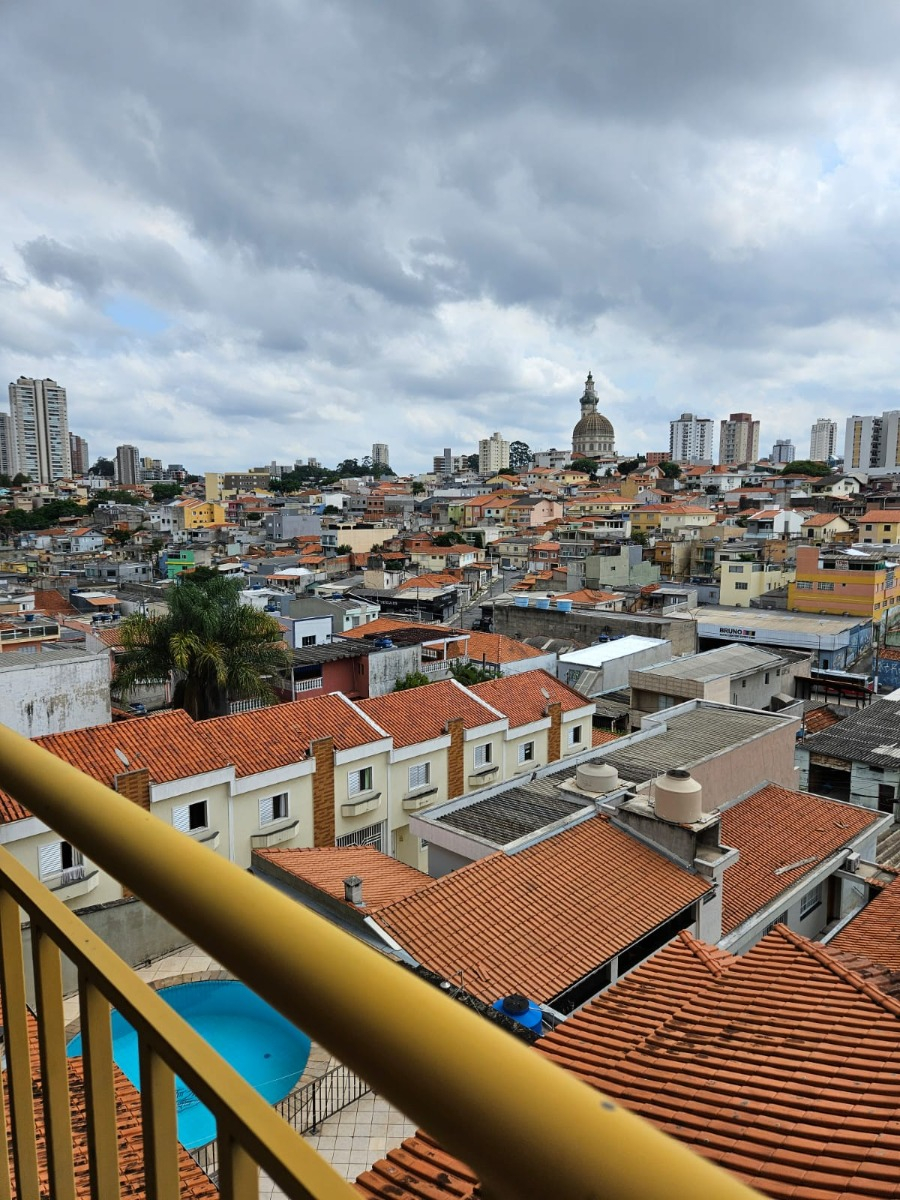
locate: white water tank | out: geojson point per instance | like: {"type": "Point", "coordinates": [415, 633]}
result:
{"type": "Point", "coordinates": [678, 798]}
{"type": "Point", "coordinates": [598, 778]}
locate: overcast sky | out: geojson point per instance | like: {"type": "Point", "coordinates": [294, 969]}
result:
{"type": "Point", "coordinates": [245, 230]}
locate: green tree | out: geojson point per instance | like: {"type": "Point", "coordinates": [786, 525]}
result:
{"type": "Point", "coordinates": [105, 467]}
{"type": "Point", "coordinates": [165, 491]}
{"type": "Point", "coordinates": [471, 462]}
{"type": "Point", "coordinates": [519, 456]}
{"type": "Point", "coordinates": [671, 470]}
{"type": "Point", "coordinates": [19, 480]}
{"type": "Point", "coordinates": [413, 680]}
{"type": "Point", "coordinates": [805, 466]}
{"type": "Point", "coordinates": [417, 487]}
{"type": "Point", "coordinates": [448, 539]}
{"type": "Point", "coordinates": [584, 464]}
{"type": "Point", "coordinates": [629, 465]}
{"type": "Point", "coordinates": [469, 673]}
{"type": "Point", "coordinates": [215, 647]}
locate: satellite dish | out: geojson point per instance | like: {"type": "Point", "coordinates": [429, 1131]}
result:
{"type": "Point", "coordinates": [121, 757]}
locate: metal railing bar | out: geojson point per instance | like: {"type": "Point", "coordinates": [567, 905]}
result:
{"type": "Point", "coordinates": [99, 1091]}
{"type": "Point", "coordinates": [51, 1027]}
{"type": "Point", "coordinates": [159, 1122]}
{"type": "Point", "coordinates": [18, 1049]}
{"type": "Point", "coordinates": [238, 1173]}
{"type": "Point", "coordinates": [282, 1153]}
{"type": "Point", "coordinates": [523, 1124]}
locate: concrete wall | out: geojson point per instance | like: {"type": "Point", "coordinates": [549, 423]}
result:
{"type": "Point", "coordinates": [586, 626]}
{"type": "Point", "coordinates": [50, 695]}
{"type": "Point", "coordinates": [387, 666]}
{"type": "Point", "coordinates": [133, 930]}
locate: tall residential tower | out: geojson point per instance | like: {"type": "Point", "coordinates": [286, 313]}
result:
{"type": "Point", "coordinates": [40, 429]}
{"type": "Point", "coordinates": [739, 439]}
{"type": "Point", "coordinates": [691, 439]}
{"type": "Point", "coordinates": [823, 440]}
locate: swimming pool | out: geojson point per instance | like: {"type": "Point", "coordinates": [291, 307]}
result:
{"type": "Point", "coordinates": [258, 1042]}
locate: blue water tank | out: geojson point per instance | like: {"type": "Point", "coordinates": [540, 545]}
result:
{"type": "Point", "coordinates": [564, 605]}
{"type": "Point", "coordinates": [520, 601]}
{"type": "Point", "coordinates": [543, 602]}
{"type": "Point", "coordinates": [384, 643]}
{"type": "Point", "coordinates": [519, 1008]}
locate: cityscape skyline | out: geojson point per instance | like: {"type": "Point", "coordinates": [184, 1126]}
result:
{"type": "Point", "coordinates": [291, 264]}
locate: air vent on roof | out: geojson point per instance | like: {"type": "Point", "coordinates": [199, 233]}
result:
{"type": "Point", "coordinates": [353, 890]}
{"type": "Point", "coordinates": [678, 798]}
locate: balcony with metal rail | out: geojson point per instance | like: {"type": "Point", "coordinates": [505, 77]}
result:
{"type": "Point", "coordinates": [526, 1127]}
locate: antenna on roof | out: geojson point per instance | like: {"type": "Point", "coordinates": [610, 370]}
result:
{"type": "Point", "coordinates": [121, 757]}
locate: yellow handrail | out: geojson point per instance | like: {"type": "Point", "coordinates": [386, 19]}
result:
{"type": "Point", "coordinates": [527, 1127]}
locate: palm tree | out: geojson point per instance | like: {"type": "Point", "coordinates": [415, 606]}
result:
{"type": "Point", "coordinates": [215, 647]}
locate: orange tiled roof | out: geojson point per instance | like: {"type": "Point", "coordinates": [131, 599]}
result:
{"type": "Point", "coordinates": [524, 698]}
{"type": "Point", "coordinates": [782, 835]}
{"type": "Point", "coordinates": [818, 719]}
{"type": "Point", "coordinates": [418, 1170]}
{"type": "Point", "coordinates": [379, 625]}
{"type": "Point", "coordinates": [279, 735]}
{"type": "Point", "coordinates": [54, 603]}
{"type": "Point", "coordinates": [881, 516]}
{"type": "Point", "coordinates": [439, 579]}
{"type": "Point", "coordinates": [498, 648]}
{"type": "Point", "coordinates": [384, 879]}
{"type": "Point", "coordinates": [591, 891]}
{"type": "Point", "coordinates": [822, 519]}
{"type": "Point", "coordinates": [779, 1065]}
{"type": "Point", "coordinates": [589, 596]}
{"type": "Point", "coordinates": [875, 932]}
{"type": "Point", "coordinates": [169, 743]}
{"type": "Point", "coordinates": [417, 715]}
{"type": "Point", "coordinates": [600, 737]}
{"type": "Point", "coordinates": [194, 1184]}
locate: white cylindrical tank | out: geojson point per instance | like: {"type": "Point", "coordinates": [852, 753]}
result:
{"type": "Point", "coordinates": [678, 798]}
{"type": "Point", "coordinates": [598, 778]}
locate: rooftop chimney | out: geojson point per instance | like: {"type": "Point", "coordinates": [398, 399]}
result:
{"type": "Point", "coordinates": [353, 890]}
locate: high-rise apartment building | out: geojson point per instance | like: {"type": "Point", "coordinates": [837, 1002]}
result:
{"type": "Point", "coordinates": [823, 440]}
{"type": "Point", "coordinates": [78, 453]}
{"type": "Point", "coordinates": [7, 446]}
{"type": "Point", "coordinates": [40, 429]}
{"type": "Point", "coordinates": [493, 455]}
{"type": "Point", "coordinates": [691, 439]}
{"type": "Point", "coordinates": [380, 455]}
{"type": "Point", "coordinates": [783, 452]}
{"type": "Point", "coordinates": [128, 465]}
{"type": "Point", "coordinates": [873, 443]}
{"type": "Point", "coordinates": [739, 439]}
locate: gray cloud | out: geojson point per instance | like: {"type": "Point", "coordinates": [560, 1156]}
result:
{"type": "Point", "coordinates": [418, 225]}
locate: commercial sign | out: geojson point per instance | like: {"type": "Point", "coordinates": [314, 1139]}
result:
{"type": "Point", "coordinates": [727, 631]}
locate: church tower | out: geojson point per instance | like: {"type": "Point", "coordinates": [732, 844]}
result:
{"type": "Point", "coordinates": [593, 436]}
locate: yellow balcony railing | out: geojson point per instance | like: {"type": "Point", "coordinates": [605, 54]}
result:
{"type": "Point", "coordinates": [527, 1127]}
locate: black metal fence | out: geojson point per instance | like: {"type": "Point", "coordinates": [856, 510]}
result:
{"type": "Point", "coordinates": [304, 1109]}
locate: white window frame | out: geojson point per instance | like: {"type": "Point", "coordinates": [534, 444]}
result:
{"type": "Point", "coordinates": [484, 755]}
{"type": "Point", "coordinates": [576, 736]}
{"type": "Point", "coordinates": [810, 901]}
{"type": "Point", "coordinates": [187, 821]}
{"type": "Point", "coordinates": [526, 752]}
{"type": "Point", "coordinates": [359, 782]}
{"type": "Point", "coordinates": [419, 776]}
{"type": "Point", "coordinates": [273, 808]}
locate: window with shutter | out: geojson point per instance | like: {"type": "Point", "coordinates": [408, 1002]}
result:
{"type": "Point", "coordinates": [483, 754]}
{"type": "Point", "coordinates": [359, 781]}
{"type": "Point", "coordinates": [50, 860]}
{"type": "Point", "coordinates": [419, 776]}
{"type": "Point", "coordinates": [273, 808]}
{"type": "Point", "coordinates": [190, 816]}
{"type": "Point", "coordinates": [526, 752]}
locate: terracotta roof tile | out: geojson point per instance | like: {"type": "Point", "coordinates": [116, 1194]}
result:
{"type": "Point", "coordinates": [817, 719]}
{"type": "Point", "coordinates": [775, 829]}
{"type": "Point", "coordinates": [194, 1184]}
{"type": "Point", "coordinates": [384, 879]}
{"type": "Point", "coordinates": [875, 932]}
{"type": "Point", "coordinates": [498, 648]}
{"type": "Point", "coordinates": [591, 891]}
{"type": "Point", "coordinates": [265, 738]}
{"type": "Point", "coordinates": [524, 698]}
{"type": "Point", "coordinates": [420, 714]}
{"type": "Point", "coordinates": [169, 743]}
{"type": "Point", "coordinates": [780, 1067]}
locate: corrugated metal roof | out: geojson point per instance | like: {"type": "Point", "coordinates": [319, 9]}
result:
{"type": "Point", "coordinates": [871, 736]}
{"type": "Point", "coordinates": [715, 664]}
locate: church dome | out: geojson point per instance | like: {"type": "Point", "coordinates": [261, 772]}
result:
{"type": "Point", "coordinates": [593, 424]}
{"type": "Point", "coordinates": [594, 434]}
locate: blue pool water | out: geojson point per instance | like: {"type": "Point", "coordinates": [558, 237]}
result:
{"type": "Point", "coordinates": [258, 1042]}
